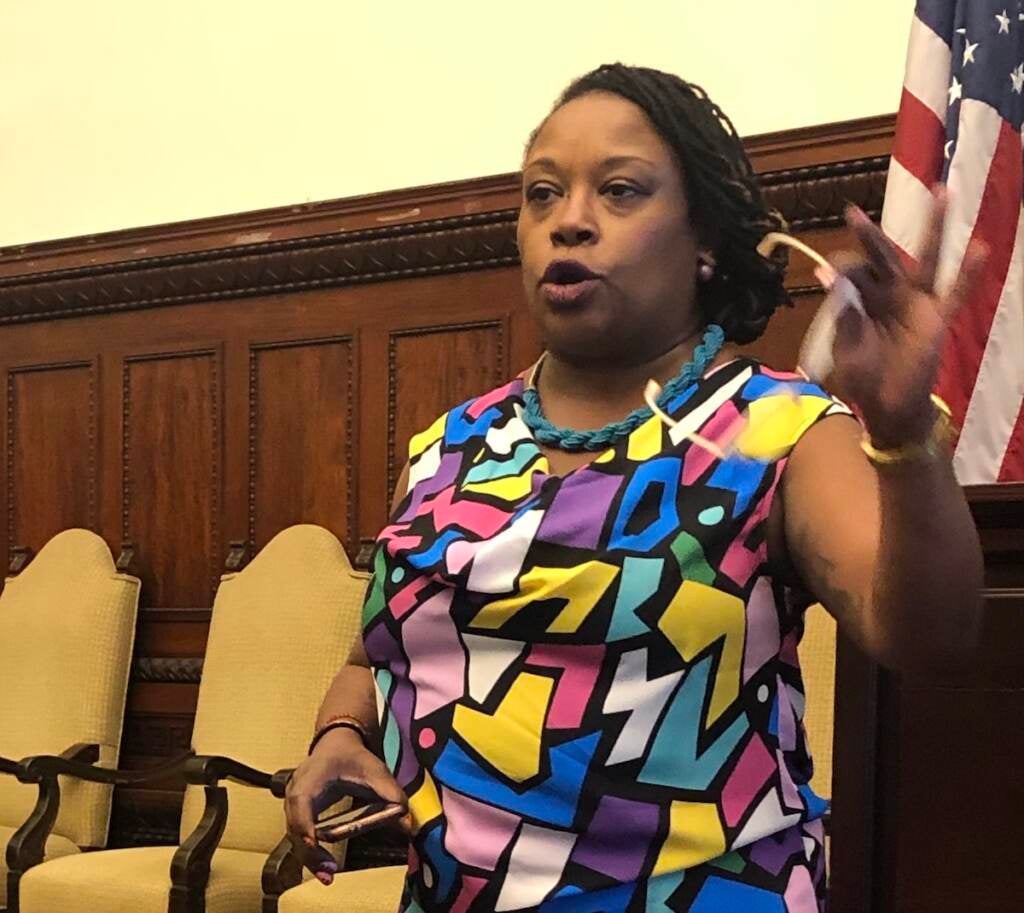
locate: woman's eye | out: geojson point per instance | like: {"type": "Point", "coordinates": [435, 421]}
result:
{"type": "Point", "coordinates": [540, 193]}
{"type": "Point", "coordinates": [620, 191]}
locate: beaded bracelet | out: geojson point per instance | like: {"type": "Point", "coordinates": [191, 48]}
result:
{"type": "Point", "coordinates": [341, 721]}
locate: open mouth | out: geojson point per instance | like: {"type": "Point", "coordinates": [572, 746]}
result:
{"type": "Point", "coordinates": [567, 283]}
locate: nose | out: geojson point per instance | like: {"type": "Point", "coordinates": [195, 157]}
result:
{"type": "Point", "coordinates": [574, 224]}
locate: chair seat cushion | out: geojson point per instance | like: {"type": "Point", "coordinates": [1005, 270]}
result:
{"type": "Point", "coordinates": [363, 891]}
{"type": "Point", "coordinates": [56, 846]}
{"type": "Point", "coordinates": [137, 880]}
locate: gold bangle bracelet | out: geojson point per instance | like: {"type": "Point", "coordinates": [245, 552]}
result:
{"type": "Point", "coordinates": [929, 449]}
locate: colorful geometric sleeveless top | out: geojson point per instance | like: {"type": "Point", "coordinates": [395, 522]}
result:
{"type": "Point", "coordinates": [590, 686]}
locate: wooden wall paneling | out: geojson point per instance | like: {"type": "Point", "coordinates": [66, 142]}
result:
{"type": "Point", "coordinates": [303, 409]}
{"type": "Point", "coordinates": [171, 473]}
{"type": "Point", "coordinates": [435, 367]}
{"type": "Point", "coordinates": [52, 427]}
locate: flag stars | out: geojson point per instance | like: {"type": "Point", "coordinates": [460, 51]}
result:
{"type": "Point", "coordinates": [969, 53]}
{"type": "Point", "coordinates": [1004, 23]}
{"type": "Point", "coordinates": [1017, 78]}
{"type": "Point", "coordinates": [956, 91]}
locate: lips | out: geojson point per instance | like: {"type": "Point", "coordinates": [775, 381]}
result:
{"type": "Point", "coordinates": [567, 272]}
{"type": "Point", "coordinates": [568, 283]}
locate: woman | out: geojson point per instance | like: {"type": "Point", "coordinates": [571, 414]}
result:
{"type": "Point", "coordinates": [586, 640]}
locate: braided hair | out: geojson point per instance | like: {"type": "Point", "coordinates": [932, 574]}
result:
{"type": "Point", "coordinates": [727, 206]}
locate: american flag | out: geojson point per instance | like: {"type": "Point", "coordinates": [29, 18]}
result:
{"type": "Point", "coordinates": [960, 123]}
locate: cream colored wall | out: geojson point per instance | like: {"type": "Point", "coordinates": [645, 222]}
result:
{"type": "Point", "coordinates": [118, 113]}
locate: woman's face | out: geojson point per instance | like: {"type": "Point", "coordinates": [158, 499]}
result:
{"type": "Point", "coordinates": [609, 255]}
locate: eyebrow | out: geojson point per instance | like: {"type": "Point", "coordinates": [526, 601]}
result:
{"type": "Point", "coordinates": [613, 161]}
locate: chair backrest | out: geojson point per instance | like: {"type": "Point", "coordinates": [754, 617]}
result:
{"type": "Point", "coordinates": [67, 624]}
{"type": "Point", "coordinates": [818, 667]}
{"type": "Point", "coordinates": [281, 629]}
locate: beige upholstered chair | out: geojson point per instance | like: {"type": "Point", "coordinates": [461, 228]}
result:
{"type": "Point", "coordinates": [818, 666]}
{"type": "Point", "coordinates": [364, 891]}
{"type": "Point", "coordinates": [67, 624]}
{"type": "Point", "coordinates": [280, 630]}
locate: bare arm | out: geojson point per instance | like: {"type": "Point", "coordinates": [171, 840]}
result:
{"type": "Point", "coordinates": [891, 551]}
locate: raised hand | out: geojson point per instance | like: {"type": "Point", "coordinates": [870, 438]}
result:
{"type": "Point", "coordinates": [886, 360]}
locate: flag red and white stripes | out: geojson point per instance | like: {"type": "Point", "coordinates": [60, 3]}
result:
{"type": "Point", "coordinates": [960, 122]}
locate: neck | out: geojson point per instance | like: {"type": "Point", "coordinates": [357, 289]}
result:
{"type": "Point", "coordinates": [592, 382]}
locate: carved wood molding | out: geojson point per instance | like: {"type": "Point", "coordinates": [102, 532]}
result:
{"type": "Point", "coordinates": [429, 248]}
{"type": "Point", "coordinates": [811, 197]}
{"type": "Point", "coordinates": [816, 196]}
{"type": "Point", "coordinates": [168, 669]}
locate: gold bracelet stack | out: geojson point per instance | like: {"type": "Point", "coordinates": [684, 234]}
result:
{"type": "Point", "coordinates": [934, 446]}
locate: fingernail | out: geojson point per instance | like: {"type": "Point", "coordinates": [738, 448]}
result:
{"type": "Point", "coordinates": [329, 865]}
{"type": "Point", "coordinates": [309, 841]}
{"type": "Point", "coordinates": [325, 878]}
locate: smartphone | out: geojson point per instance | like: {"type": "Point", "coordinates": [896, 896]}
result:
{"type": "Point", "coordinates": [357, 821]}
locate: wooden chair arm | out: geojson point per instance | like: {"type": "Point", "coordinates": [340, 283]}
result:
{"type": "Point", "coordinates": [82, 752]}
{"type": "Point", "coordinates": [71, 763]}
{"type": "Point", "coordinates": [27, 845]}
{"type": "Point", "coordinates": [190, 865]}
{"type": "Point", "coordinates": [279, 782]}
{"type": "Point", "coordinates": [209, 770]}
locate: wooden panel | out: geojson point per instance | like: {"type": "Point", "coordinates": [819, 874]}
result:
{"type": "Point", "coordinates": [171, 474]}
{"type": "Point", "coordinates": [930, 766]}
{"type": "Point", "coordinates": [433, 368]}
{"type": "Point", "coordinates": [51, 451]}
{"type": "Point", "coordinates": [301, 413]}
{"type": "Point", "coordinates": [971, 720]}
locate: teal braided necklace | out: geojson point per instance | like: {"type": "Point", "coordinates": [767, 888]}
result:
{"type": "Point", "coordinates": [603, 438]}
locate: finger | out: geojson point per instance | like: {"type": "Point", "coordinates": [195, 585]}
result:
{"type": "Point", "coordinates": [928, 262]}
{"type": "Point", "coordinates": [388, 790]}
{"type": "Point", "coordinates": [875, 295]}
{"type": "Point", "coordinates": [878, 247]}
{"type": "Point", "coordinates": [299, 813]}
{"type": "Point", "coordinates": [970, 273]}
{"type": "Point", "coordinates": [315, 858]}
